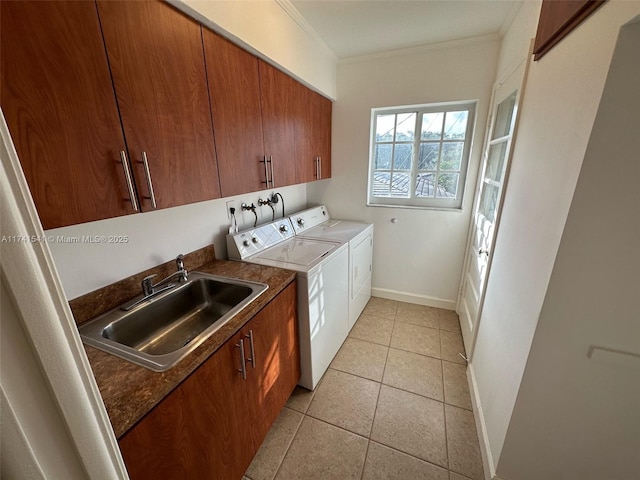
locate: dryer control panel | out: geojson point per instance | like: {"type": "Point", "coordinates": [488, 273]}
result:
{"type": "Point", "coordinates": [307, 219]}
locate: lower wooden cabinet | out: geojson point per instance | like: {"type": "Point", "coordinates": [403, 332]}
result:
{"type": "Point", "coordinates": [212, 424]}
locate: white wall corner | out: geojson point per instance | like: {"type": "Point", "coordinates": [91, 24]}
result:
{"type": "Point", "coordinates": [513, 13]}
{"type": "Point", "coordinates": [481, 429]}
{"type": "Point", "coordinates": [297, 17]}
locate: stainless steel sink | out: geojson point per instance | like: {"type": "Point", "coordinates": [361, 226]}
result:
{"type": "Point", "coordinates": [159, 332]}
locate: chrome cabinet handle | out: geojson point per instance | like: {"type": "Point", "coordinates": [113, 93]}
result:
{"type": "Point", "coordinates": [266, 170]}
{"type": "Point", "coordinates": [315, 160]}
{"type": "Point", "coordinates": [152, 195]}
{"type": "Point", "coordinates": [127, 176]}
{"type": "Point", "coordinates": [243, 367]}
{"type": "Point", "coordinates": [320, 167]}
{"type": "Point", "coordinates": [252, 359]}
{"type": "Point", "coordinates": [273, 183]}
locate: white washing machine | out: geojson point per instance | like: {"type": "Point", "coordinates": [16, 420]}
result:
{"type": "Point", "coordinates": [316, 223]}
{"type": "Point", "coordinates": [322, 277]}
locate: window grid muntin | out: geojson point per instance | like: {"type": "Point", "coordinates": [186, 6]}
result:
{"type": "Point", "coordinates": [413, 199]}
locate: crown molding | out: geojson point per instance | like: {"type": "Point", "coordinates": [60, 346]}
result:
{"type": "Point", "coordinates": [513, 12]}
{"type": "Point", "coordinates": [492, 37]}
{"type": "Point", "coordinates": [297, 17]}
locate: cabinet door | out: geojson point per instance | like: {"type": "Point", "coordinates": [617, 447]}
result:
{"type": "Point", "coordinates": [322, 131]}
{"type": "Point", "coordinates": [279, 118]}
{"type": "Point", "coordinates": [277, 361]}
{"type": "Point", "coordinates": [158, 71]}
{"type": "Point", "coordinates": [306, 143]}
{"type": "Point", "coordinates": [557, 19]}
{"type": "Point", "coordinates": [313, 135]}
{"type": "Point", "coordinates": [201, 430]}
{"type": "Point", "coordinates": [234, 89]}
{"type": "Point", "coordinates": [58, 101]}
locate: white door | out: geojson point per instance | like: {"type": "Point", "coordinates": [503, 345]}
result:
{"type": "Point", "coordinates": [488, 200]}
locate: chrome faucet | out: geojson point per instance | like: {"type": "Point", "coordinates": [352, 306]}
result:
{"type": "Point", "coordinates": [148, 287]}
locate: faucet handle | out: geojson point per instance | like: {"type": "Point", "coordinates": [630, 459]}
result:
{"type": "Point", "coordinates": [181, 269]}
{"type": "Point", "coordinates": [147, 284]}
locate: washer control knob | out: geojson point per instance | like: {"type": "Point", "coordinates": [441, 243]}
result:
{"type": "Point", "coordinates": [284, 228]}
{"type": "Point", "coordinates": [246, 243]}
{"type": "Point", "coordinates": [301, 222]}
{"type": "Point", "coordinates": [254, 239]}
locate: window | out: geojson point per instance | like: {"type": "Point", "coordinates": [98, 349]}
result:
{"type": "Point", "coordinates": [419, 155]}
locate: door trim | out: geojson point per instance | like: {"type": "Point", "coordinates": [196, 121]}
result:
{"type": "Point", "coordinates": [492, 111]}
{"type": "Point", "coordinates": [30, 277]}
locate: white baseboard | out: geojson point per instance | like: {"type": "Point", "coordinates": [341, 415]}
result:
{"type": "Point", "coordinates": [414, 298]}
{"type": "Point", "coordinates": [481, 428]}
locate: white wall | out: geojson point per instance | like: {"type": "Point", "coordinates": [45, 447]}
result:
{"type": "Point", "coordinates": [273, 30]}
{"type": "Point", "coordinates": [590, 405]}
{"type": "Point", "coordinates": [419, 258]}
{"type": "Point", "coordinates": [153, 238]}
{"type": "Point", "coordinates": [516, 40]}
{"type": "Point", "coordinates": [562, 95]}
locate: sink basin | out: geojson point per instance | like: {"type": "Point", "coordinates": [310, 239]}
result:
{"type": "Point", "coordinates": [157, 333]}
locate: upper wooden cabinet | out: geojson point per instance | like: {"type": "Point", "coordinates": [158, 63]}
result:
{"type": "Point", "coordinates": [270, 130]}
{"type": "Point", "coordinates": [57, 98]}
{"type": "Point", "coordinates": [158, 72]}
{"type": "Point", "coordinates": [280, 115]}
{"type": "Point", "coordinates": [234, 89]}
{"type": "Point", "coordinates": [119, 106]}
{"type": "Point", "coordinates": [323, 133]}
{"type": "Point", "coordinates": [557, 19]}
{"type": "Point", "coordinates": [313, 136]}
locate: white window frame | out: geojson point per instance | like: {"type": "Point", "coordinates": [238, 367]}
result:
{"type": "Point", "coordinates": [413, 201]}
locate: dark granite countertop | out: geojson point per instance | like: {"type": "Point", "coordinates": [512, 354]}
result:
{"type": "Point", "coordinates": [130, 391]}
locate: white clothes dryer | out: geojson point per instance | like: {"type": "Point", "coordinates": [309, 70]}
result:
{"type": "Point", "coordinates": [316, 223]}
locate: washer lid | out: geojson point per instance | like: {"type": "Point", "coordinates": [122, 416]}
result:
{"type": "Point", "coordinates": [298, 251]}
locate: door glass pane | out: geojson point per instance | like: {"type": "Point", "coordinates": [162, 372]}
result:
{"type": "Point", "coordinates": [381, 183]}
{"type": "Point", "coordinates": [428, 156]}
{"type": "Point", "coordinates": [382, 159]}
{"type": "Point", "coordinates": [405, 127]}
{"type": "Point", "coordinates": [431, 126]}
{"type": "Point", "coordinates": [400, 185]}
{"type": "Point", "coordinates": [447, 185]}
{"type": "Point", "coordinates": [495, 162]}
{"type": "Point", "coordinates": [504, 116]}
{"type": "Point", "coordinates": [425, 185]}
{"type": "Point", "coordinates": [402, 156]}
{"type": "Point", "coordinates": [385, 128]}
{"type": "Point", "coordinates": [488, 201]}
{"type": "Point", "coordinates": [451, 156]}
{"type": "Point", "coordinates": [455, 125]}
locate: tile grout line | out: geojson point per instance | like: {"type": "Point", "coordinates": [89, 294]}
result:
{"type": "Point", "coordinates": [291, 442]}
{"type": "Point", "coordinates": [444, 415]}
{"type": "Point", "coordinates": [399, 388]}
{"type": "Point", "coordinates": [380, 383]}
{"type": "Point", "coordinates": [373, 420]}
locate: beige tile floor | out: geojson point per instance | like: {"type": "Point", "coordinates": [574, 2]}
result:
{"type": "Point", "coordinates": [394, 404]}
